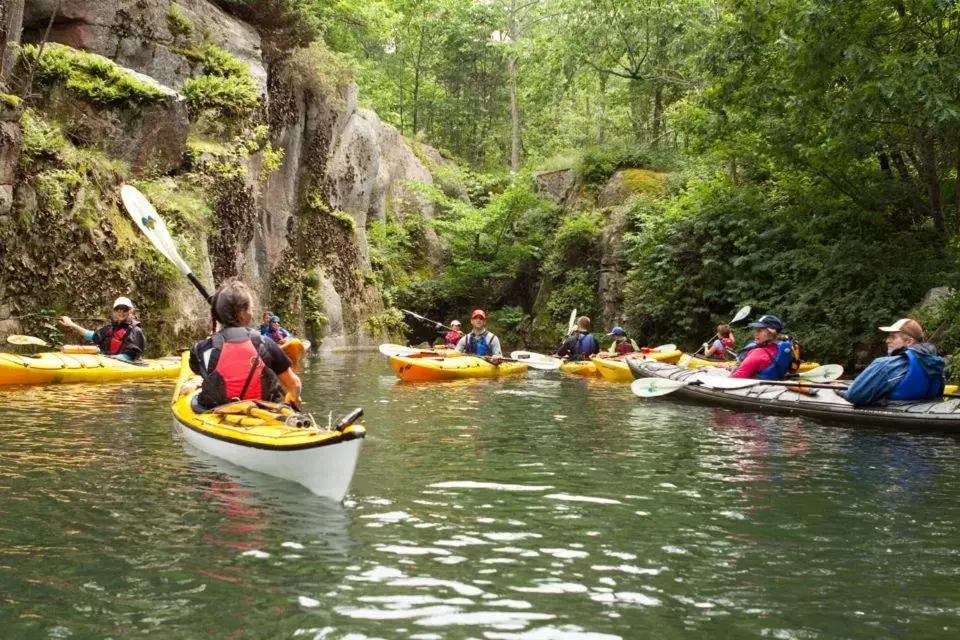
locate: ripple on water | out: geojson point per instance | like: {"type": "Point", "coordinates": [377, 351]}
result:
{"type": "Point", "coordinates": [748, 523]}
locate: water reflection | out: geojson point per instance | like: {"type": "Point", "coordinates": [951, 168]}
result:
{"type": "Point", "coordinates": [545, 507]}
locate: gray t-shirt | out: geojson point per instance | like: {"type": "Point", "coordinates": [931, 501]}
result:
{"type": "Point", "coordinates": [493, 343]}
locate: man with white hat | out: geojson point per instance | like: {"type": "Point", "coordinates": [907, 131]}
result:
{"type": "Point", "coordinates": [911, 370]}
{"type": "Point", "coordinates": [123, 338]}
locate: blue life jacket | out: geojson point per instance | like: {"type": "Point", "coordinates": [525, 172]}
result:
{"type": "Point", "coordinates": [585, 346]}
{"type": "Point", "coordinates": [478, 346]}
{"type": "Point", "coordinates": [916, 385]}
{"type": "Point", "coordinates": [782, 362]}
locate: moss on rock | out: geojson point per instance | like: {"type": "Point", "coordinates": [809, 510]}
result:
{"type": "Point", "coordinates": [88, 76]}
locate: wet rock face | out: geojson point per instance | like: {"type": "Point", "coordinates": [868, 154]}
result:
{"type": "Point", "coordinates": [149, 136]}
{"type": "Point", "coordinates": [146, 35]}
{"type": "Point", "coordinates": [10, 138]}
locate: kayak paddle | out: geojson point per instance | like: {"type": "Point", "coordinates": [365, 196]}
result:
{"type": "Point", "coordinates": [427, 320]}
{"type": "Point", "coordinates": [149, 221]}
{"type": "Point", "coordinates": [740, 316]}
{"type": "Point", "coordinates": [815, 378]}
{"type": "Point", "coordinates": [21, 340]}
{"type": "Point", "coordinates": [572, 323]}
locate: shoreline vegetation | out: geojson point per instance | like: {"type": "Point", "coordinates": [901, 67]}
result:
{"type": "Point", "coordinates": [654, 164]}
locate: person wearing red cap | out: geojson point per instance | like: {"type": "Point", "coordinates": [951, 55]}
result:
{"type": "Point", "coordinates": [123, 338]}
{"type": "Point", "coordinates": [479, 341]}
{"type": "Point", "coordinates": [911, 370]}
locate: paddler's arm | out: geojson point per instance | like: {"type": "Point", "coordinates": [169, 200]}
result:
{"type": "Point", "coordinates": [291, 383]}
{"type": "Point", "coordinates": [496, 353]}
{"type": "Point", "coordinates": [88, 335]}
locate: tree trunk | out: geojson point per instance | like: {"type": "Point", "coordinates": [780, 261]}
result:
{"type": "Point", "coordinates": [417, 70]}
{"type": "Point", "coordinates": [602, 115]}
{"type": "Point", "coordinates": [928, 169]}
{"type": "Point", "coordinates": [657, 114]}
{"type": "Point", "coordinates": [512, 73]}
{"type": "Point", "coordinates": [12, 25]}
{"type": "Point", "coordinates": [636, 109]}
{"type": "Point", "coordinates": [956, 188]}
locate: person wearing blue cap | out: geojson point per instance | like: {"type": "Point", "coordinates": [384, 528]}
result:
{"type": "Point", "coordinates": [620, 345]}
{"type": "Point", "coordinates": [771, 355]}
{"type": "Point", "coordinates": [275, 332]}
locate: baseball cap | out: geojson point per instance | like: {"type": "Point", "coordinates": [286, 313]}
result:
{"type": "Point", "coordinates": [910, 327]}
{"type": "Point", "coordinates": [478, 313]}
{"type": "Point", "coordinates": [617, 331]}
{"type": "Point", "coordinates": [122, 302]}
{"type": "Point", "coordinates": [274, 318]}
{"type": "Point", "coordinates": [768, 322]}
{"type": "Point", "coordinates": [455, 323]}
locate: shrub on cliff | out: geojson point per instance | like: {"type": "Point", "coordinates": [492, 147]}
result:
{"type": "Point", "coordinates": [87, 75]}
{"type": "Point", "coordinates": [224, 88]}
{"type": "Point", "coordinates": [321, 71]}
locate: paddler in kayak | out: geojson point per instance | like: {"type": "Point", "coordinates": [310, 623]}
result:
{"type": "Point", "coordinates": [275, 332]}
{"type": "Point", "coordinates": [771, 356]}
{"type": "Point", "coordinates": [452, 337]}
{"type": "Point", "coordinates": [237, 363]}
{"type": "Point", "coordinates": [479, 341]}
{"type": "Point", "coordinates": [722, 345]}
{"type": "Point", "coordinates": [580, 345]}
{"type": "Point", "coordinates": [123, 338]}
{"type": "Point", "coordinates": [621, 345]}
{"type": "Point", "coordinates": [265, 322]}
{"type": "Point", "coordinates": [911, 370]}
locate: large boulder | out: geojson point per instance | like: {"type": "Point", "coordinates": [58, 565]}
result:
{"type": "Point", "coordinates": [149, 36]}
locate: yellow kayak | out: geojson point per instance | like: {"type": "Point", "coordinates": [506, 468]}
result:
{"type": "Point", "coordinates": [425, 369]}
{"type": "Point", "coordinates": [267, 439]}
{"type": "Point", "coordinates": [62, 368]}
{"type": "Point", "coordinates": [583, 368]}
{"type": "Point", "coordinates": [616, 369]}
{"type": "Point", "coordinates": [693, 362]}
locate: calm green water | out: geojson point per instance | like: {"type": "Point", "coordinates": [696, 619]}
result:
{"type": "Point", "coordinates": [546, 507]}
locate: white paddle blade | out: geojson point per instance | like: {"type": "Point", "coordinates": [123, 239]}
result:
{"type": "Point", "coordinates": [665, 347]}
{"type": "Point", "coordinates": [572, 323]}
{"type": "Point", "coordinates": [741, 315]}
{"type": "Point", "coordinates": [727, 383]}
{"type": "Point", "coordinates": [26, 340]}
{"type": "Point", "coordinates": [149, 222]}
{"type": "Point", "coordinates": [653, 387]}
{"type": "Point", "coordinates": [825, 373]}
{"type": "Point", "coordinates": [551, 364]}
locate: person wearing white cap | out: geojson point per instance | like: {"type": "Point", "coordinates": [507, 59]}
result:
{"type": "Point", "coordinates": [453, 336]}
{"type": "Point", "coordinates": [123, 338]}
{"type": "Point", "coordinates": [911, 370]}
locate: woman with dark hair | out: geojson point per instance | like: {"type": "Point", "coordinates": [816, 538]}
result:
{"type": "Point", "coordinates": [237, 363]}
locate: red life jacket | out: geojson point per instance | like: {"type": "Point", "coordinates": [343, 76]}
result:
{"type": "Point", "coordinates": [115, 339]}
{"type": "Point", "coordinates": [240, 366]}
{"type": "Point", "coordinates": [238, 370]}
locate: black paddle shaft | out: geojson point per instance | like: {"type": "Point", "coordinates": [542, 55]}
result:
{"type": "Point", "coordinates": [199, 285]}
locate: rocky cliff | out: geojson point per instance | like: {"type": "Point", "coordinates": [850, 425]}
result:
{"type": "Point", "coordinates": [266, 170]}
